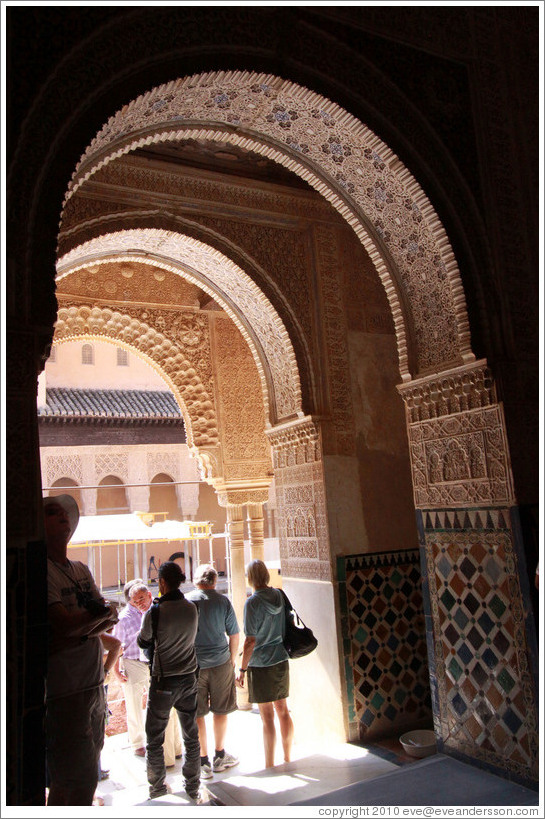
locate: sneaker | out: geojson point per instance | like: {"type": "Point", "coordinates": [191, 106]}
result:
{"type": "Point", "coordinates": [222, 762]}
{"type": "Point", "coordinates": [206, 771]}
{"type": "Point", "coordinates": [200, 797]}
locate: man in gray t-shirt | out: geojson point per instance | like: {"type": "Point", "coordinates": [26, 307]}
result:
{"type": "Point", "coordinates": [216, 645]}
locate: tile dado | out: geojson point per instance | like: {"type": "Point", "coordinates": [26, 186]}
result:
{"type": "Point", "coordinates": [483, 688]}
{"type": "Point", "coordinates": [384, 642]}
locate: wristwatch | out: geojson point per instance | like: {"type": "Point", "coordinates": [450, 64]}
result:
{"type": "Point", "coordinates": [243, 670]}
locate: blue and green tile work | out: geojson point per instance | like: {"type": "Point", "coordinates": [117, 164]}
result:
{"type": "Point", "coordinates": [384, 642]}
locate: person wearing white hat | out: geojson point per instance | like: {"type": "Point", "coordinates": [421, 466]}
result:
{"type": "Point", "coordinates": [75, 704]}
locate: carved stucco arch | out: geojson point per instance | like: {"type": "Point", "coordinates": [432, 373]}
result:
{"type": "Point", "coordinates": [160, 220]}
{"type": "Point", "coordinates": [345, 162]}
{"type": "Point", "coordinates": [75, 323]}
{"type": "Point", "coordinates": [231, 287]}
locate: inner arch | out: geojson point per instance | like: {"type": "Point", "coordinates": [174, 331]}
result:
{"type": "Point", "coordinates": [71, 326]}
{"type": "Point", "coordinates": [233, 289]}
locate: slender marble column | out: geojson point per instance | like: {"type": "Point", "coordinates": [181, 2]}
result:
{"type": "Point", "coordinates": [256, 528]}
{"type": "Point", "coordinates": [235, 526]}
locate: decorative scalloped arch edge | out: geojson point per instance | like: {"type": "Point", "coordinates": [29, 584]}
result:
{"type": "Point", "coordinates": [143, 122]}
{"type": "Point", "coordinates": [66, 330]}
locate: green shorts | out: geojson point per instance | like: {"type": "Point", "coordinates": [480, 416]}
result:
{"type": "Point", "coordinates": [216, 690]}
{"type": "Point", "coordinates": [270, 683]}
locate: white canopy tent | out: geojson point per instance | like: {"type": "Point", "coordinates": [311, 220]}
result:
{"type": "Point", "coordinates": [96, 532]}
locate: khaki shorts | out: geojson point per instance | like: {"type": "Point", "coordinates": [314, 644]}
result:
{"type": "Point", "coordinates": [270, 683]}
{"type": "Point", "coordinates": [216, 690]}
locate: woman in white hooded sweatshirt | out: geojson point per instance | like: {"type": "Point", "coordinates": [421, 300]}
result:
{"type": "Point", "coordinates": [265, 660]}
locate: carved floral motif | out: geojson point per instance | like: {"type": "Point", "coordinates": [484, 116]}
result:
{"type": "Point", "coordinates": [246, 449]}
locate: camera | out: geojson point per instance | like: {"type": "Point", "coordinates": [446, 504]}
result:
{"type": "Point", "coordinates": [95, 607]}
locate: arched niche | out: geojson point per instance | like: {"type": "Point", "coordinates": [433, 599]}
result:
{"type": "Point", "coordinates": [112, 496]}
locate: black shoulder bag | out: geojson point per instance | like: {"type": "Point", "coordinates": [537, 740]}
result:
{"type": "Point", "coordinates": [299, 639]}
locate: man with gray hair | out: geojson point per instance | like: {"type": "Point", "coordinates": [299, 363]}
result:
{"type": "Point", "coordinates": [134, 674]}
{"type": "Point", "coordinates": [132, 671]}
{"type": "Point", "coordinates": [216, 657]}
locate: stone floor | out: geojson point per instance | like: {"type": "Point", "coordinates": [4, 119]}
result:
{"type": "Point", "coordinates": [332, 774]}
{"type": "Point", "coordinates": [314, 770]}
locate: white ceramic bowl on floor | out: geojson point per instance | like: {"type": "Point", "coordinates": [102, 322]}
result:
{"type": "Point", "coordinates": [419, 743]}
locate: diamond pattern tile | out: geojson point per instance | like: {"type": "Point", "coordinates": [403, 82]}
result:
{"type": "Point", "coordinates": [486, 701]}
{"type": "Point", "coordinates": [388, 641]}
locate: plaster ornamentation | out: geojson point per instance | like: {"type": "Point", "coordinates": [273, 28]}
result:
{"type": "Point", "coordinates": [180, 187]}
{"type": "Point", "coordinates": [62, 466]}
{"type": "Point", "coordinates": [450, 392]}
{"type": "Point", "coordinates": [336, 339]}
{"type": "Point", "coordinates": [167, 462]}
{"type": "Point", "coordinates": [296, 443]}
{"type": "Point", "coordinates": [209, 462]}
{"type": "Point", "coordinates": [305, 568]}
{"type": "Point", "coordinates": [130, 281]}
{"type": "Point", "coordinates": [246, 470]}
{"type": "Point", "coordinates": [457, 440]}
{"type": "Point", "coordinates": [298, 494]}
{"type": "Point", "coordinates": [300, 498]}
{"type": "Point", "coordinates": [282, 253]}
{"type": "Point", "coordinates": [246, 448]}
{"type": "Point", "coordinates": [134, 329]}
{"type": "Point", "coordinates": [359, 175]}
{"type": "Point", "coordinates": [461, 459]}
{"type": "Point", "coordinates": [112, 464]}
{"type": "Point", "coordinates": [307, 549]}
{"type": "Point", "coordinates": [225, 282]}
{"type": "Point", "coordinates": [239, 497]}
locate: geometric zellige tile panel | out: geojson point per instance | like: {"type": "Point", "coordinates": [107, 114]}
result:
{"type": "Point", "coordinates": [486, 699]}
{"type": "Point", "coordinates": [385, 619]}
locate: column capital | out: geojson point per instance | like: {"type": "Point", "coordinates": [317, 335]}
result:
{"type": "Point", "coordinates": [295, 442]}
{"type": "Point", "coordinates": [470, 386]}
{"type": "Point", "coordinates": [242, 493]}
{"type": "Point", "coordinates": [457, 440]}
{"type": "Point", "coordinates": [209, 460]}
